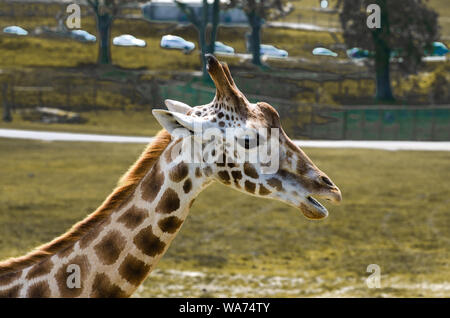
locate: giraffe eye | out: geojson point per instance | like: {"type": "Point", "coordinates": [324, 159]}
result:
{"type": "Point", "coordinates": [248, 143]}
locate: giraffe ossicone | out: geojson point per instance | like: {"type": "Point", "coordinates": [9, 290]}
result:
{"type": "Point", "coordinates": [229, 140]}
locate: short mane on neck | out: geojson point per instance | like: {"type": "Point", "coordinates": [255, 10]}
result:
{"type": "Point", "coordinates": [121, 193]}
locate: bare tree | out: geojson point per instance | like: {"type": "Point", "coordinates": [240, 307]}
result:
{"type": "Point", "coordinates": [257, 11]}
{"type": "Point", "coordinates": [407, 29]}
{"type": "Point", "coordinates": [200, 22]}
{"type": "Point", "coordinates": [105, 11]}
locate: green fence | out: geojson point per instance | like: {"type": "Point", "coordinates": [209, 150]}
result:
{"type": "Point", "coordinates": [379, 122]}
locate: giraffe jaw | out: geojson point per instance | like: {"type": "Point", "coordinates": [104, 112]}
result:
{"type": "Point", "coordinates": [313, 209]}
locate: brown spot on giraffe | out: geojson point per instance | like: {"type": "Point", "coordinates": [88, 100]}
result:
{"type": "Point", "coordinates": [275, 183]}
{"type": "Point", "coordinates": [134, 270]}
{"type": "Point", "coordinates": [173, 151]}
{"type": "Point", "coordinates": [93, 233]}
{"type": "Point", "coordinates": [66, 252]}
{"type": "Point", "coordinates": [39, 290]}
{"type": "Point", "coordinates": [224, 176]}
{"type": "Point", "coordinates": [170, 224]}
{"type": "Point", "coordinates": [133, 217]}
{"type": "Point", "coordinates": [103, 288]}
{"type": "Point", "coordinates": [12, 292]}
{"type": "Point", "coordinates": [169, 202]}
{"type": "Point", "coordinates": [187, 186]}
{"type": "Point", "coordinates": [179, 172]}
{"type": "Point", "coordinates": [250, 170]}
{"type": "Point", "coordinates": [149, 243]}
{"type": "Point", "coordinates": [8, 278]}
{"type": "Point", "coordinates": [40, 269]}
{"type": "Point", "coordinates": [109, 248]}
{"type": "Point", "coordinates": [63, 276]}
{"type": "Point", "coordinates": [237, 175]}
{"type": "Point", "coordinates": [198, 172]}
{"type": "Point", "coordinates": [152, 183]}
{"type": "Point", "coordinates": [302, 166]}
{"type": "Point", "coordinates": [263, 190]}
{"type": "Point", "coordinates": [250, 186]}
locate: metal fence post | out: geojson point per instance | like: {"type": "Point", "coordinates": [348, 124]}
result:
{"type": "Point", "coordinates": [344, 125]}
{"type": "Point", "coordinates": [414, 132]}
{"type": "Point", "coordinates": [6, 109]}
{"type": "Point", "coordinates": [433, 124]}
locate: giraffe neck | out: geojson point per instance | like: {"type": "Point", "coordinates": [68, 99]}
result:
{"type": "Point", "coordinates": [115, 257]}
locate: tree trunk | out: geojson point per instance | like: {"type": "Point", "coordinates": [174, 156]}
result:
{"type": "Point", "coordinates": [104, 22]}
{"type": "Point", "coordinates": [383, 79]}
{"type": "Point", "coordinates": [202, 37]}
{"type": "Point", "coordinates": [255, 22]}
{"type": "Point", "coordinates": [6, 109]}
{"type": "Point", "coordinates": [215, 24]}
{"type": "Point", "coordinates": [202, 43]}
{"type": "Point", "coordinates": [382, 56]}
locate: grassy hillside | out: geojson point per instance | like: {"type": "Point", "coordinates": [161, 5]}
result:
{"type": "Point", "coordinates": [394, 214]}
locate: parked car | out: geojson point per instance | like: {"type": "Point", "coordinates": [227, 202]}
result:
{"type": "Point", "coordinates": [177, 42]}
{"type": "Point", "coordinates": [324, 51]}
{"type": "Point", "coordinates": [83, 36]}
{"type": "Point", "coordinates": [222, 48]}
{"type": "Point", "coordinates": [270, 50]}
{"type": "Point", "coordinates": [357, 53]}
{"type": "Point", "coordinates": [128, 40]}
{"type": "Point", "coordinates": [439, 49]}
{"type": "Point", "coordinates": [14, 29]}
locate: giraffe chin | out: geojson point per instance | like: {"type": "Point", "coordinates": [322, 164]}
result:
{"type": "Point", "coordinates": [312, 209]}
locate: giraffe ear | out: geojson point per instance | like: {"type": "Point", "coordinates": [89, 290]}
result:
{"type": "Point", "coordinates": [178, 125]}
{"type": "Point", "coordinates": [176, 106]}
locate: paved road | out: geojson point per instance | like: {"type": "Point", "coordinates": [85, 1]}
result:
{"type": "Point", "coordinates": [372, 144]}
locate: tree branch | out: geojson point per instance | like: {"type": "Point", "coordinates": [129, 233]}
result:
{"type": "Point", "coordinates": [189, 12]}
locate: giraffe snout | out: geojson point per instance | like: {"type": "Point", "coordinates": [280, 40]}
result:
{"type": "Point", "coordinates": [329, 190]}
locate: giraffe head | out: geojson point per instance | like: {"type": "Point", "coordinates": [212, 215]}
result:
{"type": "Point", "coordinates": [243, 145]}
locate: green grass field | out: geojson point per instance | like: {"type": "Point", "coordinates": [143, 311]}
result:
{"type": "Point", "coordinates": [394, 214]}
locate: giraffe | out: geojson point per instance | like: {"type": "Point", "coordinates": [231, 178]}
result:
{"type": "Point", "coordinates": [114, 249]}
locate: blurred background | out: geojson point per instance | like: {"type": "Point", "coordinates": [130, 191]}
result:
{"type": "Point", "coordinates": [100, 67]}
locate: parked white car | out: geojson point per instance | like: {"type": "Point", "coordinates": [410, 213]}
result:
{"type": "Point", "coordinates": [82, 35]}
{"type": "Point", "coordinates": [324, 51]}
{"type": "Point", "coordinates": [222, 48]}
{"type": "Point", "coordinates": [128, 40]}
{"type": "Point", "coordinates": [14, 29]}
{"type": "Point", "coordinates": [176, 42]}
{"type": "Point", "coordinates": [270, 50]}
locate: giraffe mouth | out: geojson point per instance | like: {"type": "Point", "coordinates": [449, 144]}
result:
{"type": "Point", "coordinates": [313, 209]}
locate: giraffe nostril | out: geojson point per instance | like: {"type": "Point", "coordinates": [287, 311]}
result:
{"type": "Point", "coordinates": [327, 181]}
